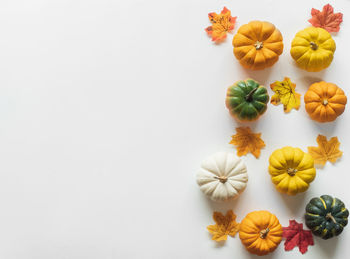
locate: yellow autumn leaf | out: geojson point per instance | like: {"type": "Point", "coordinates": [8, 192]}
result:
{"type": "Point", "coordinates": [225, 225]}
{"type": "Point", "coordinates": [247, 141]}
{"type": "Point", "coordinates": [326, 150]}
{"type": "Point", "coordinates": [285, 94]}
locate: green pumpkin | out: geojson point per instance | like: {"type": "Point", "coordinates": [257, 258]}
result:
{"type": "Point", "coordinates": [247, 100]}
{"type": "Point", "coordinates": [326, 216]}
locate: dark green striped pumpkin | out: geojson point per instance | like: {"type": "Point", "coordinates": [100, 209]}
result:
{"type": "Point", "coordinates": [247, 100]}
{"type": "Point", "coordinates": [326, 216]}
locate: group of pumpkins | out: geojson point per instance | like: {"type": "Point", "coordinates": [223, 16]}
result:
{"type": "Point", "coordinates": [223, 176]}
{"type": "Point", "coordinates": [257, 45]}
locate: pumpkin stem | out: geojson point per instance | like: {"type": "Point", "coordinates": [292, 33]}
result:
{"type": "Point", "coordinates": [264, 232]}
{"type": "Point", "coordinates": [258, 45]}
{"type": "Point", "coordinates": [222, 179]}
{"type": "Point", "coordinates": [292, 171]}
{"type": "Point", "coordinates": [249, 96]}
{"type": "Point", "coordinates": [329, 216]}
{"type": "Point", "coordinates": [313, 45]}
{"type": "Point", "coordinates": [325, 102]}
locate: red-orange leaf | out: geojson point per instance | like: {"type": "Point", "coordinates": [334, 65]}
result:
{"type": "Point", "coordinates": [295, 235]}
{"type": "Point", "coordinates": [222, 23]}
{"type": "Point", "coordinates": [326, 18]}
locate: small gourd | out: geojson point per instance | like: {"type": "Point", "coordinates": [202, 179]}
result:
{"type": "Point", "coordinates": [222, 176]}
{"type": "Point", "coordinates": [324, 102]}
{"type": "Point", "coordinates": [260, 232]}
{"type": "Point", "coordinates": [291, 170]}
{"type": "Point", "coordinates": [313, 49]}
{"type": "Point", "coordinates": [326, 216]}
{"type": "Point", "coordinates": [257, 45]}
{"type": "Point", "coordinates": [247, 100]}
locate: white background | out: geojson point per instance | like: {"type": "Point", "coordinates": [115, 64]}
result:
{"type": "Point", "coordinates": [107, 109]}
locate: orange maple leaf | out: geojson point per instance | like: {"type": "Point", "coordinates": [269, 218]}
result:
{"type": "Point", "coordinates": [247, 141]}
{"type": "Point", "coordinates": [326, 19]}
{"type": "Point", "coordinates": [225, 225]}
{"type": "Point", "coordinates": [222, 23]}
{"type": "Point", "coordinates": [326, 150]}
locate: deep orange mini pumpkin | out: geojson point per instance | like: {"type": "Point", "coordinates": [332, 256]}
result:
{"type": "Point", "coordinates": [324, 102]}
{"type": "Point", "coordinates": [260, 232]}
{"type": "Point", "coordinates": [257, 45]}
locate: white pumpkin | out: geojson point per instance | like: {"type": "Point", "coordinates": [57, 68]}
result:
{"type": "Point", "coordinates": [222, 176]}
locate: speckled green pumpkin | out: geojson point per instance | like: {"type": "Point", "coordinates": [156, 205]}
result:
{"type": "Point", "coordinates": [247, 100]}
{"type": "Point", "coordinates": [326, 216]}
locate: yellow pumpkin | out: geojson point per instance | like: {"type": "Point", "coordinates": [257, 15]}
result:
{"type": "Point", "coordinates": [291, 170]}
{"type": "Point", "coordinates": [313, 49]}
{"type": "Point", "coordinates": [260, 232]}
{"type": "Point", "coordinates": [257, 45]}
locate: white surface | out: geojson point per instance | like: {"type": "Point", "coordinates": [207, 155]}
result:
{"type": "Point", "coordinates": [107, 109]}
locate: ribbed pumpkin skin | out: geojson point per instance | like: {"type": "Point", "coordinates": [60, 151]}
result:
{"type": "Point", "coordinates": [291, 170]}
{"type": "Point", "coordinates": [251, 228]}
{"type": "Point", "coordinates": [318, 220]}
{"type": "Point", "coordinates": [313, 49]}
{"type": "Point", "coordinates": [247, 100]}
{"type": "Point", "coordinates": [222, 176]}
{"type": "Point", "coordinates": [257, 45]}
{"type": "Point", "coordinates": [324, 102]}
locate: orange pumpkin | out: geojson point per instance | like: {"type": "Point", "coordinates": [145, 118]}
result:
{"type": "Point", "coordinates": [257, 45]}
{"type": "Point", "coordinates": [324, 102]}
{"type": "Point", "coordinates": [260, 232]}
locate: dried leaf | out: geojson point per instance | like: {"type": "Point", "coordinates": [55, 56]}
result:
{"type": "Point", "coordinates": [326, 19]}
{"type": "Point", "coordinates": [326, 150]}
{"type": "Point", "coordinates": [222, 23]}
{"type": "Point", "coordinates": [295, 235]}
{"type": "Point", "coordinates": [225, 225]}
{"type": "Point", "coordinates": [285, 94]}
{"type": "Point", "coordinates": [247, 141]}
